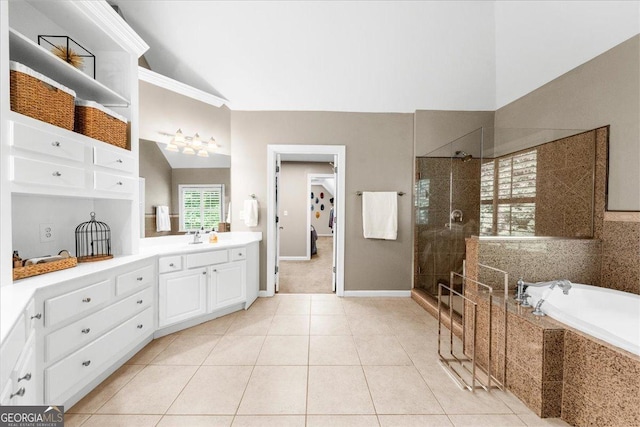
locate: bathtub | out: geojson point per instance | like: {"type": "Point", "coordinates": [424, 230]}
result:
{"type": "Point", "coordinates": [610, 315]}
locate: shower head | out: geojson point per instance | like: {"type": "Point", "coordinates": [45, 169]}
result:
{"type": "Point", "coordinates": [464, 156]}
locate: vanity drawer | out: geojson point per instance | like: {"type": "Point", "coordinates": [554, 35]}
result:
{"type": "Point", "coordinates": [83, 365]}
{"type": "Point", "coordinates": [168, 264]}
{"type": "Point", "coordinates": [238, 254]}
{"type": "Point", "coordinates": [134, 279]}
{"type": "Point", "coordinates": [115, 183]}
{"type": "Point", "coordinates": [93, 326]}
{"type": "Point", "coordinates": [43, 142]}
{"type": "Point", "coordinates": [207, 258]}
{"type": "Point", "coordinates": [113, 160]}
{"type": "Point", "coordinates": [73, 303]}
{"type": "Point", "coordinates": [43, 173]}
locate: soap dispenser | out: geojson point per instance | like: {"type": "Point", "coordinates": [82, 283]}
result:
{"type": "Point", "coordinates": [213, 236]}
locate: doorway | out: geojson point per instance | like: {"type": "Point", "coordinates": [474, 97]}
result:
{"type": "Point", "coordinates": [276, 216]}
{"type": "Point", "coordinates": [306, 196]}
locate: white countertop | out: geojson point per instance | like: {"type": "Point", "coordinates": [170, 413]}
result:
{"type": "Point", "coordinates": [15, 297]}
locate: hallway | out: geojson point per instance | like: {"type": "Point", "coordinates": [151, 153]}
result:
{"type": "Point", "coordinates": [309, 277]}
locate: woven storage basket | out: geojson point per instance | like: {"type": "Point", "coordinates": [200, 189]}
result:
{"type": "Point", "coordinates": [46, 267]}
{"type": "Point", "coordinates": [37, 96]}
{"type": "Point", "coordinates": [98, 122]}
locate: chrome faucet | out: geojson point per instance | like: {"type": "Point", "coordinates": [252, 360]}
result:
{"type": "Point", "coordinates": [521, 296]}
{"type": "Point", "coordinates": [196, 238]}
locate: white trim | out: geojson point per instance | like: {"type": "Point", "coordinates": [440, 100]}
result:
{"type": "Point", "coordinates": [293, 258]}
{"type": "Point", "coordinates": [325, 235]}
{"type": "Point", "coordinates": [168, 83]}
{"type": "Point", "coordinates": [107, 19]}
{"type": "Point", "coordinates": [393, 294]}
{"type": "Point", "coordinates": [272, 152]}
{"type": "Point", "coordinates": [262, 294]}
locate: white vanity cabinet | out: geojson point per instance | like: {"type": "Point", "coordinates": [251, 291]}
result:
{"type": "Point", "coordinates": [182, 296]}
{"type": "Point", "coordinates": [91, 325]}
{"type": "Point", "coordinates": [199, 286]}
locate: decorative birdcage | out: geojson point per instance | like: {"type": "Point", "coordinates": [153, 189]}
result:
{"type": "Point", "coordinates": [93, 241]}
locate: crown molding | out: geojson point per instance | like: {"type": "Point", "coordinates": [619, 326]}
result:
{"type": "Point", "coordinates": [165, 82]}
{"type": "Point", "coordinates": [105, 17]}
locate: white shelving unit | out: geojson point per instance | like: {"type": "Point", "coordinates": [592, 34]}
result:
{"type": "Point", "coordinates": [35, 56]}
{"type": "Point", "coordinates": [116, 47]}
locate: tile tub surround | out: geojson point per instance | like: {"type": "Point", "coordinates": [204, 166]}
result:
{"type": "Point", "coordinates": [601, 383]}
{"type": "Point", "coordinates": [621, 252]}
{"type": "Point", "coordinates": [387, 375]}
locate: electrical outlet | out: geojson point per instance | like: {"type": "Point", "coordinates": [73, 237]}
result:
{"type": "Point", "coordinates": [47, 233]}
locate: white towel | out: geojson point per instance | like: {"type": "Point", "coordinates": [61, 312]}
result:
{"type": "Point", "coordinates": [380, 215]}
{"type": "Point", "coordinates": [163, 222]}
{"type": "Point", "coordinates": [251, 213]}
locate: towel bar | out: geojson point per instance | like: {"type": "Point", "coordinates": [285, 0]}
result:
{"type": "Point", "coordinates": [400, 193]}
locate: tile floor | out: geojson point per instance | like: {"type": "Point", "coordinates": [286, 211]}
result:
{"type": "Point", "coordinates": [298, 360]}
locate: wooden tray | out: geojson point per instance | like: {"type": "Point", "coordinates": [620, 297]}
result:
{"type": "Point", "coordinates": [46, 267]}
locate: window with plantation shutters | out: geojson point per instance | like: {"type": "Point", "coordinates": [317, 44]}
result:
{"type": "Point", "coordinates": [508, 195]}
{"type": "Point", "coordinates": [201, 206]}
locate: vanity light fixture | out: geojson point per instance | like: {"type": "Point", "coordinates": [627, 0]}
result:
{"type": "Point", "coordinates": [190, 145]}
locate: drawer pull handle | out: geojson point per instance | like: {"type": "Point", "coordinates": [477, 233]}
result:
{"type": "Point", "coordinates": [172, 265]}
{"type": "Point", "coordinates": [27, 377]}
{"type": "Point", "coordinates": [86, 330]}
{"type": "Point", "coordinates": [56, 143]}
{"type": "Point", "coordinates": [37, 316]}
{"type": "Point", "coordinates": [119, 161]}
{"type": "Point", "coordinates": [139, 279]}
{"type": "Point", "coordinates": [239, 253]}
{"type": "Point", "coordinates": [140, 326]}
{"type": "Point", "coordinates": [20, 393]}
{"type": "Point", "coordinates": [56, 173]}
{"type": "Point", "coordinates": [139, 301]}
{"type": "Point", "coordinates": [86, 299]}
{"type": "Point", "coordinates": [86, 363]}
{"type": "Point", "coordinates": [119, 183]}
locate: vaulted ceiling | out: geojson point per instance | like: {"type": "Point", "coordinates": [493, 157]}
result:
{"type": "Point", "coordinates": [375, 56]}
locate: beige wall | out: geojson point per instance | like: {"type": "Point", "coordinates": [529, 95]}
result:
{"type": "Point", "coordinates": [603, 91]}
{"type": "Point", "coordinates": [156, 172]}
{"type": "Point", "coordinates": [198, 176]}
{"type": "Point", "coordinates": [379, 154]}
{"type": "Point", "coordinates": [295, 200]}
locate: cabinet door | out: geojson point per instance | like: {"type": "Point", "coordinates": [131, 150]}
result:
{"type": "Point", "coordinates": [228, 284]}
{"type": "Point", "coordinates": [183, 295]}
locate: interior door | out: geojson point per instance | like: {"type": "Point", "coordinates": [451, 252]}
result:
{"type": "Point", "coordinates": [336, 210]}
{"type": "Point", "coordinates": [278, 226]}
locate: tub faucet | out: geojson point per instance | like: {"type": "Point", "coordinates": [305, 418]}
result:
{"type": "Point", "coordinates": [563, 284]}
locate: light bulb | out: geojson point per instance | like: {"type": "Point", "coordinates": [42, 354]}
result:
{"type": "Point", "coordinates": [196, 142]}
{"type": "Point", "coordinates": [188, 150]}
{"type": "Point", "coordinates": [172, 147]}
{"type": "Point", "coordinates": [179, 137]}
{"type": "Point", "coordinates": [203, 153]}
{"type": "Point", "coordinates": [212, 145]}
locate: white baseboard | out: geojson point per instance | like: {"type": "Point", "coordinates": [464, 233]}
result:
{"type": "Point", "coordinates": [325, 235]}
{"type": "Point", "coordinates": [262, 294]}
{"type": "Point", "coordinates": [294, 258]}
{"type": "Point", "coordinates": [394, 294]}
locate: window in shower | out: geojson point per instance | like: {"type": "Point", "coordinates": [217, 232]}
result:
{"type": "Point", "coordinates": [422, 201]}
{"type": "Point", "coordinates": [508, 195]}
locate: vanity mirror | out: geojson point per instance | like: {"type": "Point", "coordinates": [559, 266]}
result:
{"type": "Point", "coordinates": [174, 171]}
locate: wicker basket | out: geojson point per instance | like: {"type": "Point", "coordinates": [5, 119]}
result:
{"type": "Point", "coordinates": [46, 267]}
{"type": "Point", "coordinates": [37, 96]}
{"type": "Point", "coordinates": [96, 121]}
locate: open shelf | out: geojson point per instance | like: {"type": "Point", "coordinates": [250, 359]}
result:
{"type": "Point", "coordinates": [32, 55]}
